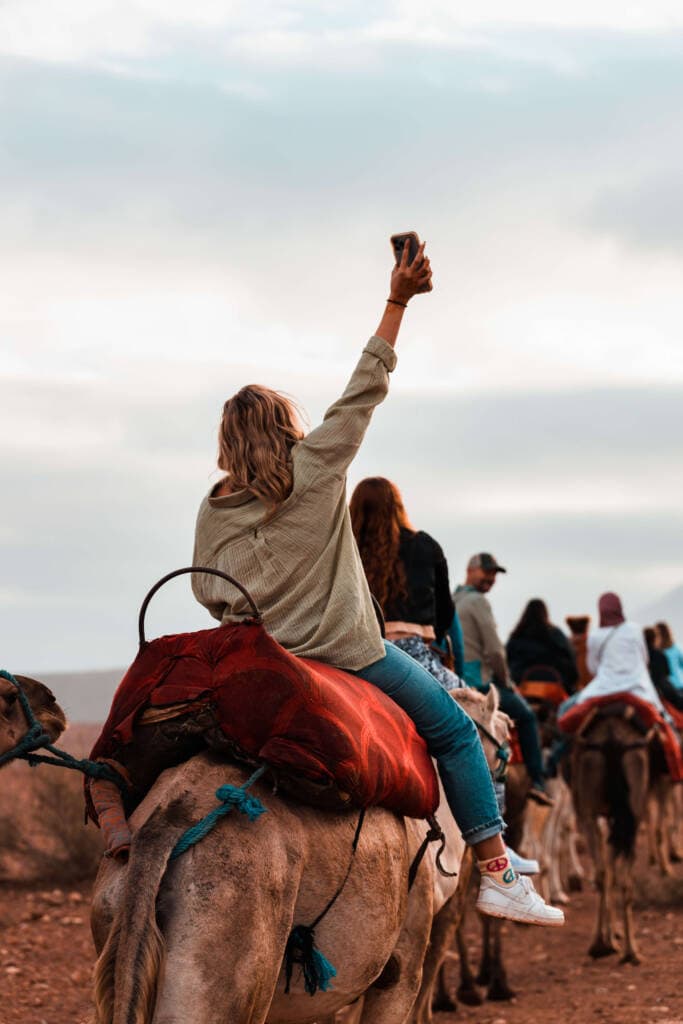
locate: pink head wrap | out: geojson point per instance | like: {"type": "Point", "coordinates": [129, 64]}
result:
{"type": "Point", "coordinates": [611, 612]}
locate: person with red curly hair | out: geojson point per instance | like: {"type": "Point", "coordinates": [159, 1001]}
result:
{"type": "Point", "coordinates": [407, 572]}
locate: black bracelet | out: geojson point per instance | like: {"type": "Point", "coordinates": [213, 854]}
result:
{"type": "Point", "coordinates": [395, 302]}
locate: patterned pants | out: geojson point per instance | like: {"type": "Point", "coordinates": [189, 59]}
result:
{"type": "Point", "coordinates": [418, 649]}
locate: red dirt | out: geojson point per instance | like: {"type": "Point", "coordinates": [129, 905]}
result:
{"type": "Point", "coordinates": [46, 956]}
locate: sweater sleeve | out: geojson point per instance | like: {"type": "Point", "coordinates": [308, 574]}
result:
{"type": "Point", "coordinates": [494, 652]}
{"type": "Point", "coordinates": [332, 446]}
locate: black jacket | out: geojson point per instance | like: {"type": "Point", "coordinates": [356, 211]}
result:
{"type": "Point", "coordinates": [429, 601]}
{"type": "Point", "coordinates": [554, 649]}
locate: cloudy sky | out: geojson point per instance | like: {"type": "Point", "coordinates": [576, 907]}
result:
{"type": "Point", "coordinates": [194, 197]}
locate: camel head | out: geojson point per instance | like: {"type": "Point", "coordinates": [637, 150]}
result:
{"type": "Point", "coordinates": [13, 724]}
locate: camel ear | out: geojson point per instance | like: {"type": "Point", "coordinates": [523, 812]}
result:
{"type": "Point", "coordinates": [492, 700]}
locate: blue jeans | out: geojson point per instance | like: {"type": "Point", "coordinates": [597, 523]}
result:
{"type": "Point", "coordinates": [514, 705]}
{"type": "Point", "coordinates": [451, 737]}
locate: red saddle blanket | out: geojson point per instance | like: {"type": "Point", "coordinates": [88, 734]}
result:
{"type": "Point", "coordinates": [572, 720]}
{"type": "Point", "coordinates": [293, 713]}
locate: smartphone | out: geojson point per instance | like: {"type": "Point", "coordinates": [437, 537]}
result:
{"type": "Point", "coordinates": [398, 242]}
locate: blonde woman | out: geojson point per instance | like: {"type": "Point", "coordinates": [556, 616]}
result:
{"type": "Point", "coordinates": [279, 523]}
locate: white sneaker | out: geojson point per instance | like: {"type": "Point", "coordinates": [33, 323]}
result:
{"type": "Point", "coordinates": [517, 902]}
{"type": "Point", "coordinates": [522, 865]}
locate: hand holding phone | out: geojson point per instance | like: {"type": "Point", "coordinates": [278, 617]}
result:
{"type": "Point", "coordinates": [412, 273]}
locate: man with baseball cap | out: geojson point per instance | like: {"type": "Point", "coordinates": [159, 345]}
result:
{"type": "Point", "coordinates": [486, 663]}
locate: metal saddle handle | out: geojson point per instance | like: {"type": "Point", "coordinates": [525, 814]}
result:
{"type": "Point", "coordinates": [181, 572]}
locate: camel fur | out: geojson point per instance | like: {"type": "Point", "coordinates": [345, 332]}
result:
{"type": "Point", "coordinates": [202, 938]}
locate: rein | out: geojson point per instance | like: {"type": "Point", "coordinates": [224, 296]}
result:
{"type": "Point", "coordinates": [35, 738]}
{"type": "Point", "coordinates": [502, 753]}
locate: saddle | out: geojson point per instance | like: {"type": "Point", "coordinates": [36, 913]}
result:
{"type": "Point", "coordinates": [644, 716]}
{"type": "Point", "coordinates": [329, 737]}
{"type": "Point", "coordinates": [543, 685]}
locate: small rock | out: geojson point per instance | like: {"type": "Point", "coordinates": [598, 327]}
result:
{"type": "Point", "coordinates": [54, 898]}
{"type": "Point", "coordinates": [75, 897]}
{"type": "Point", "coordinates": [12, 971]}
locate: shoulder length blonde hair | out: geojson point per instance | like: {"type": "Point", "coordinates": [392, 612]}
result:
{"type": "Point", "coordinates": [258, 430]}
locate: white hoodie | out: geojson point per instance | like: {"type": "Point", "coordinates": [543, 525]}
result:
{"type": "Point", "coordinates": [617, 655]}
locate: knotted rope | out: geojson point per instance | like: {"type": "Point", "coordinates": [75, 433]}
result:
{"type": "Point", "coordinates": [229, 796]}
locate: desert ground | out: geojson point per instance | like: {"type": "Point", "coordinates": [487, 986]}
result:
{"type": "Point", "coordinates": [47, 858]}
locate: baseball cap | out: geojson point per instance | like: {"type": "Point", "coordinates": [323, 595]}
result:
{"type": "Point", "coordinates": [485, 561]}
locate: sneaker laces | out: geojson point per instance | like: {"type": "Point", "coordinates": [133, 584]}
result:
{"type": "Point", "coordinates": [528, 887]}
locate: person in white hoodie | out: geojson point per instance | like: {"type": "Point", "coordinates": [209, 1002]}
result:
{"type": "Point", "coordinates": [617, 657]}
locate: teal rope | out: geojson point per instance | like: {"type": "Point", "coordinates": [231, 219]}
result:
{"type": "Point", "coordinates": [317, 970]}
{"type": "Point", "coordinates": [230, 796]}
{"type": "Point", "coordinates": [36, 738]}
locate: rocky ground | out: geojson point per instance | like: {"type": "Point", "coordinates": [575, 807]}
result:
{"type": "Point", "coordinates": [46, 956]}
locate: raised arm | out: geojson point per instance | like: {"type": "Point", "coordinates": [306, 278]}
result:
{"type": "Point", "coordinates": [406, 281]}
{"type": "Point", "coordinates": [332, 446]}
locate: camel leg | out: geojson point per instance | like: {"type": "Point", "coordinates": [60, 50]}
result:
{"type": "Point", "coordinates": [650, 829]}
{"type": "Point", "coordinates": [625, 867]}
{"type": "Point", "coordinates": [553, 836]}
{"type": "Point", "coordinates": [441, 937]}
{"type": "Point", "coordinates": [433, 994]}
{"type": "Point", "coordinates": [498, 990]}
{"type": "Point", "coordinates": [589, 772]}
{"type": "Point", "coordinates": [603, 941]}
{"type": "Point", "coordinates": [635, 766]}
{"type": "Point", "coordinates": [484, 975]}
{"type": "Point", "coordinates": [663, 811]}
{"type": "Point", "coordinates": [575, 872]}
{"type": "Point", "coordinates": [676, 823]}
{"type": "Point", "coordinates": [349, 1015]}
{"type": "Point", "coordinates": [194, 991]}
{"type": "Point", "coordinates": [391, 998]}
{"type": "Point", "coordinates": [656, 824]}
{"type": "Point", "coordinates": [468, 992]}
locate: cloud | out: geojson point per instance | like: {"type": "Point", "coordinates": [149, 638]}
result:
{"type": "Point", "coordinates": [91, 527]}
{"type": "Point", "coordinates": [302, 32]}
{"type": "Point", "coordinates": [188, 202]}
{"type": "Point", "coordinates": [648, 215]}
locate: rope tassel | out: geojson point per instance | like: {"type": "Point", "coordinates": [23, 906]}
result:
{"type": "Point", "coordinates": [301, 949]}
{"type": "Point", "coordinates": [229, 796]}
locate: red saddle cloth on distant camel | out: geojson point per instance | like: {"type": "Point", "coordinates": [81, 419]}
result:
{"type": "Point", "coordinates": [572, 720]}
{"type": "Point", "coordinates": [291, 712]}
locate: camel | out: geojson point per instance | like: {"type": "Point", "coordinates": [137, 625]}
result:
{"type": "Point", "coordinates": [13, 724]}
{"type": "Point", "coordinates": [610, 780]}
{"type": "Point", "coordinates": [202, 937]}
{"type": "Point", "coordinates": [664, 818]}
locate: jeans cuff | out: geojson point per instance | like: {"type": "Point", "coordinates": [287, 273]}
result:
{"type": "Point", "coordinates": [485, 831]}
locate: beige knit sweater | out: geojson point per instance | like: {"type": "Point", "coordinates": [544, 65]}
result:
{"type": "Point", "coordinates": [302, 566]}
